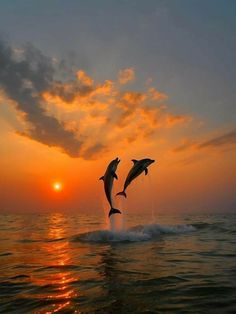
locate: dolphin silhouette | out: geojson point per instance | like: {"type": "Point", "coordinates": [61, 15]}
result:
{"type": "Point", "coordinates": [108, 179]}
{"type": "Point", "coordinates": [138, 167]}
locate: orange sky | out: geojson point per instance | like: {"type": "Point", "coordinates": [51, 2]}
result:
{"type": "Point", "coordinates": [67, 129]}
{"type": "Point", "coordinates": [190, 174]}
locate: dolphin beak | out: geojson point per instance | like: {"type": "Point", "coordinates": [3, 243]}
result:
{"type": "Point", "coordinates": [153, 160]}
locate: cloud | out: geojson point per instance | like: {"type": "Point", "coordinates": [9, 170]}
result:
{"type": "Point", "coordinates": [156, 95]}
{"type": "Point", "coordinates": [126, 76]}
{"type": "Point", "coordinates": [227, 139]}
{"type": "Point", "coordinates": [23, 77]}
{"type": "Point", "coordinates": [186, 145]}
{"type": "Point", "coordinates": [94, 151]}
{"type": "Point", "coordinates": [84, 78]}
{"type": "Point", "coordinates": [177, 119]}
{"type": "Point", "coordinates": [82, 117]}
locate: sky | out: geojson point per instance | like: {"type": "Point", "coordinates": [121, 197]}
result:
{"type": "Point", "coordinates": [84, 82]}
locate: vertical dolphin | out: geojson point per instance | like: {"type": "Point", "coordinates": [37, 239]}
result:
{"type": "Point", "coordinates": [108, 179]}
{"type": "Point", "coordinates": [138, 167]}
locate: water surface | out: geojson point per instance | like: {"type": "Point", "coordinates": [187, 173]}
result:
{"type": "Point", "coordinates": [57, 263]}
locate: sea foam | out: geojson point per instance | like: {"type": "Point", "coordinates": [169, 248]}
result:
{"type": "Point", "coordinates": [134, 234]}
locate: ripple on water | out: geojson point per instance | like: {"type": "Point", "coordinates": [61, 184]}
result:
{"type": "Point", "coordinates": [5, 254]}
{"type": "Point", "coordinates": [179, 268]}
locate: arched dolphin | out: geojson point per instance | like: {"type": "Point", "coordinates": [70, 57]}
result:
{"type": "Point", "coordinates": [108, 179]}
{"type": "Point", "coordinates": [138, 167]}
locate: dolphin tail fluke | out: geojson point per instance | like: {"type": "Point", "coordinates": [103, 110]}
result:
{"type": "Point", "coordinates": [122, 193]}
{"type": "Point", "coordinates": [114, 211]}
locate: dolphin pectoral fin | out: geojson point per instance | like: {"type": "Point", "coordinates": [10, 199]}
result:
{"type": "Point", "coordinates": [102, 178]}
{"type": "Point", "coordinates": [122, 193]}
{"type": "Point", "coordinates": [134, 161]}
{"type": "Point", "coordinates": [114, 211]}
{"type": "Point", "coordinates": [146, 171]}
{"type": "Point", "coordinates": [114, 175]}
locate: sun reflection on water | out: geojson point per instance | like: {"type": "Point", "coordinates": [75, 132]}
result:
{"type": "Point", "coordinates": [58, 262]}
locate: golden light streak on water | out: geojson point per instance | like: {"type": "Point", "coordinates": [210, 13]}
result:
{"type": "Point", "coordinates": [58, 256]}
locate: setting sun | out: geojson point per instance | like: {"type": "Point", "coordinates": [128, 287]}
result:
{"type": "Point", "coordinates": [57, 186]}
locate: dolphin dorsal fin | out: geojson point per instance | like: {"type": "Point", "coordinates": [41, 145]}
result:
{"type": "Point", "coordinates": [134, 161]}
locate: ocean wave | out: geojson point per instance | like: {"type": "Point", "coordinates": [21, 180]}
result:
{"type": "Point", "coordinates": [216, 226]}
{"type": "Point", "coordinates": [135, 234]}
{"type": "Point", "coordinates": [40, 240]}
{"type": "Point", "coordinates": [5, 254]}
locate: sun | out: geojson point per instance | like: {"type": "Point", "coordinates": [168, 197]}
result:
{"type": "Point", "coordinates": [57, 186]}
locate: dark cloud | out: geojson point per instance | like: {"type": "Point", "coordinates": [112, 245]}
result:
{"type": "Point", "coordinates": [24, 75]}
{"type": "Point", "coordinates": [94, 151]}
{"type": "Point", "coordinates": [227, 139]}
{"type": "Point", "coordinates": [68, 92]}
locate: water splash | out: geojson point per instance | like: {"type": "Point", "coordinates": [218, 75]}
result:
{"type": "Point", "coordinates": [134, 234]}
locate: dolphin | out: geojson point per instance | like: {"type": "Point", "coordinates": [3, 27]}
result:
{"type": "Point", "coordinates": [108, 179]}
{"type": "Point", "coordinates": [138, 167]}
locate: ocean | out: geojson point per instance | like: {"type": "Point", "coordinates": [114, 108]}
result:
{"type": "Point", "coordinates": [64, 263]}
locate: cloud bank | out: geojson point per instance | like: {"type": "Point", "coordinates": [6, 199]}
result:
{"type": "Point", "coordinates": [82, 117]}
